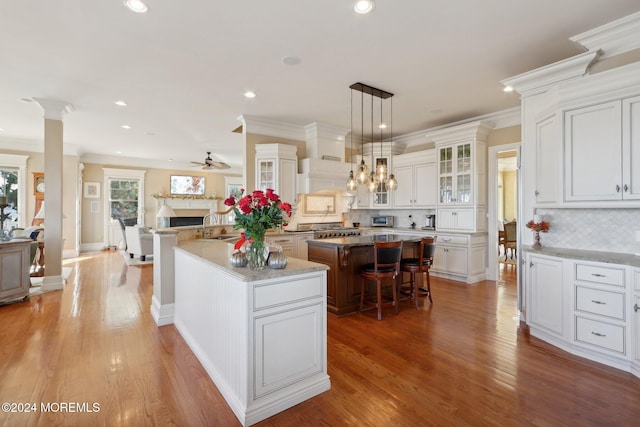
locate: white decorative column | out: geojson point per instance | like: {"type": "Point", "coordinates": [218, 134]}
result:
{"type": "Point", "coordinates": [162, 302]}
{"type": "Point", "coordinates": [54, 110]}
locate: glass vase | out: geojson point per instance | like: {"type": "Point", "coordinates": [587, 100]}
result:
{"type": "Point", "coordinates": [257, 253]}
{"type": "Point", "coordinates": [536, 241]}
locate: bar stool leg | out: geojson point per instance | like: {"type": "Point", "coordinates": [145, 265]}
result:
{"type": "Point", "coordinates": [361, 292]}
{"type": "Point", "coordinates": [379, 296]}
{"type": "Point", "coordinates": [395, 298]}
{"type": "Point", "coordinates": [415, 288]}
{"type": "Point", "coordinates": [429, 286]}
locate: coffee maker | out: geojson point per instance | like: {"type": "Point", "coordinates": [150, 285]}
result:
{"type": "Point", "coordinates": [429, 222]}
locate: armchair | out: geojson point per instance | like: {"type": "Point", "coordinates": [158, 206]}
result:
{"type": "Point", "coordinates": [139, 241]}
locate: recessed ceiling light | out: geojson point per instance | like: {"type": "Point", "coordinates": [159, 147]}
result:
{"type": "Point", "coordinates": [363, 6]}
{"type": "Point", "coordinates": [1, 129]}
{"type": "Point", "coordinates": [508, 89]}
{"type": "Point", "coordinates": [125, 127]}
{"type": "Point", "coordinates": [249, 94]}
{"type": "Point", "coordinates": [136, 6]}
{"type": "Point", "coordinates": [121, 103]}
{"type": "Point", "coordinates": [291, 60]}
{"type": "Point", "coordinates": [149, 133]}
{"type": "Point", "coordinates": [382, 126]}
{"type": "Point", "coordinates": [118, 152]}
{"type": "Point", "coordinates": [171, 160]}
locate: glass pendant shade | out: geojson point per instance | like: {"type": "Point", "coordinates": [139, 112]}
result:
{"type": "Point", "coordinates": [351, 182]}
{"type": "Point", "coordinates": [392, 184]}
{"type": "Point", "coordinates": [373, 183]}
{"type": "Point", "coordinates": [363, 174]}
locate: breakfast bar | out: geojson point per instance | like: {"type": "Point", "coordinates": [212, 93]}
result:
{"type": "Point", "coordinates": [345, 256]}
{"type": "Point", "coordinates": [260, 334]}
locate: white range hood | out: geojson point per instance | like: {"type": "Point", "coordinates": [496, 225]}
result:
{"type": "Point", "coordinates": [325, 168]}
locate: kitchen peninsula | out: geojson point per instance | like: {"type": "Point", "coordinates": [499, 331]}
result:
{"type": "Point", "coordinates": [260, 334]}
{"type": "Point", "coordinates": [345, 256]}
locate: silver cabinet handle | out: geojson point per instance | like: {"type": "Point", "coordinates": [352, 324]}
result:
{"type": "Point", "coordinates": [626, 188]}
{"type": "Point", "coordinates": [635, 307]}
{"type": "Point", "coordinates": [598, 275]}
{"type": "Point", "coordinates": [531, 264]}
{"type": "Point", "coordinates": [598, 302]}
{"type": "Point", "coordinates": [617, 188]}
{"type": "Point", "coordinates": [537, 193]}
{"type": "Point", "coordinates": [598, 334]}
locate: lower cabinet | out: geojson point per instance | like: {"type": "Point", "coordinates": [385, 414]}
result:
{"type": "Point", "coordinates": [301, 247]}
{"type": "Point", "coordinates": [461, 257]}
{"type": "Point", "coordinates": [587, 308]}
{"type": "Point", "coordinates": [14, 270]}
{"type": "Point", "coordinates": [545, 297]}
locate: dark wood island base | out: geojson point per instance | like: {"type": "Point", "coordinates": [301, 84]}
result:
{"type": "Point", "coordinates": [345, 256]}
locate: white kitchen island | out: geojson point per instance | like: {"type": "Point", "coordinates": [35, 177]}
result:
{"type": "Point", "coordinates": [260, 334]}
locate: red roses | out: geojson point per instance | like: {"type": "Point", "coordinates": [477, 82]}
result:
{"type": "Point", "coordinates": [259, 211]}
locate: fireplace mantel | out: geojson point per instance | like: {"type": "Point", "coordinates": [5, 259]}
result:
{"type": "Point", "coordinates": [182, 204]}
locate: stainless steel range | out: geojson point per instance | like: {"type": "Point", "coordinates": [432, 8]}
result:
{"type": "Point", "coordinates": [328, 230]}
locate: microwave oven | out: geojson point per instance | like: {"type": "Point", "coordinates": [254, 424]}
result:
{"type": "Point", "coordinates": [382, 221]}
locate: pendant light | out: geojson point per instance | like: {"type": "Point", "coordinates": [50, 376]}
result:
{"type": "Point", "coordinates": [392, 184]}
{"type": "Point", "coordinates": [377, 179]}
{"type": "Point", "coordinates": [352, 184]}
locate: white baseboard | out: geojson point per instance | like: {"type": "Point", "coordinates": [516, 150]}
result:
{"type": "Point", "coordinates": [52, 283]}
{"type": "Point", "coordinates": [162, 314]}
{"type": "Point", "coordinates": [92, 247]}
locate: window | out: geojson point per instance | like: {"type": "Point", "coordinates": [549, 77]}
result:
{"type": "Point", "coordinates": [9, 197]}
{"type": "Point", "coordinates": [13, 186]}
{"type": "Point", "coordinates": [234, 188]}
{"type": "Point", "coordinates": [123, 198]}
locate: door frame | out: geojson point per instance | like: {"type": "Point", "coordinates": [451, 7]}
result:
{"type": "Point", "coordinates": [492, 211]}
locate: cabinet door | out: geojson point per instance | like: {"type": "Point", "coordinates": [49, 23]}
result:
{"type": "Point", "coordinates": [464, 219]}
{"type": "Point", "coordinates": [446, 219]}
{"type": "Point", "coordinates": [457, 260]}
{"type": "Point", "coordinates": [440, 258]}
{"type": "Point", "coordinates": [404, 195]}
{"type": "Point", "coordinates": [636, 319]}
{"type": "Point", "coordinates": [266, 175]}
{"type": "Point", "coordinates": [631, 148]}
{"type": "Point", "coordinates": [593, 147]}
{"type": "Point", "coordinates": [545, 307]}
{"type": "Point", "coordinates": [548, 144]}
{"type": "Point", "coordinates": [302, 249]}
{"type": "Point", "coordinates": [463, 174]}
{"type": "Point", "coordinates": [425, 189]}
{"type": "Point", "coordinates": [287, 178]}
{"type": "Point", "coordinates": [363, 197]}
{"type": "Point", "coordinates": [445, 175]}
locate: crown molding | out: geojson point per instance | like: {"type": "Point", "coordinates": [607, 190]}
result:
{"type": "Point", "coordinates": [543, 78]}
{"type": "Point", "coordinates": [261, 126]}
{"type": "Point", "coordinates": [614, 38]}
{"type": "Point", "coordinates": [54, 109]}
{"type": "Point", "coordinates": [327, 130]}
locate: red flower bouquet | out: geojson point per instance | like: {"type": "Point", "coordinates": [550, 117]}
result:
{"type": "Point", "coordinates": [539, 226]}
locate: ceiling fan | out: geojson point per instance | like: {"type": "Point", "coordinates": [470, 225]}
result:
{"type": "Point", "coordinates": [209, 163]}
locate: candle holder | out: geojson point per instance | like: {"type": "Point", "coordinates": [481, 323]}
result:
{"type": "Point", "coordinates": [537, 227]}
{"type": "Point", "coordinates": [536, 241]}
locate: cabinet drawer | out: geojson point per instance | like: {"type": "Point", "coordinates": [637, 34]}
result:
{"type": "Point", "coordinates": [636, 280]}
{"type": "Point", "coordinates": [452, 240]}
{"type": "Point", "coordinates": [276, 294]}
{"type": "Point", "coordinates": [595, 301]}
{"type": "Point", "coordinates": [605, 275]}
{"type": "Point", "coordinates": [600, 334]}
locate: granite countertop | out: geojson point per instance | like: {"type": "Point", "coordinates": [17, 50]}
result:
{"type": "Point", "coordinates": [583, 255]}
{"type": "Point", "coordinates": [218, 254]}
{"type": "Point", "coordinates": [366, 240]}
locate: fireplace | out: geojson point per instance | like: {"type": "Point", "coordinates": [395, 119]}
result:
{"type": "Point", "coordinates": [181, 221]}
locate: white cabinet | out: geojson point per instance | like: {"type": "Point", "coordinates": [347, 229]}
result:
{"type": "Point", "coordinates": [548, 167]}
{"type": "Point", "coordinates": [277, 168]}
{"type": "Point", "coordinates": [602, 144]}
{"type": "Point", "coordinates": [284, 241]}
{"type": "Point", "coordinates": [416, 174]}
{"type": "Point", "coordinates": [461, 257]}
{"type": "Point", "coordinates": [545, 294]}
{"type": "Point", "coordinates": [14, 270]}
{"type": "Point", "coordinates": [636, 316]}
{"type": "Point", "coordinates": [300, 244]}
{"type": "Point", "coordinates": [461, 158]}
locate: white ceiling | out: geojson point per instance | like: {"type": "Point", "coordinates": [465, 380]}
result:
{"type": "Point", "coordinates": [183, 66]}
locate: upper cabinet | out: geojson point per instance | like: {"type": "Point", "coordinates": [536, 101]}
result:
{"type": "Point", "coordinates": [548, 149]}
{"type": "Point", "coordinates": [277, 168]}
{"type": "Point", "coordinates": [461, 157]}
{"type": "Point", "coordinates": [601, 148]}
{"type": "Point", "coordinates": [416, 174]}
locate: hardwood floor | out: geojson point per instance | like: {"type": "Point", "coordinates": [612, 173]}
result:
{"type": "Point", "coordinates": [465, 360]}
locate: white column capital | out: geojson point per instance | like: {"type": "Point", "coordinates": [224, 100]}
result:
{"type": "Point", "coordinates": [53, 108]}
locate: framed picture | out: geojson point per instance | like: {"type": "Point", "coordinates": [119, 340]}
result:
{"type": "Point", "coordinates": [187, 185]}
{"type": "Point", "coordinates": [95, 207]}
{"type": "Point", "coordinates": [92, 190]}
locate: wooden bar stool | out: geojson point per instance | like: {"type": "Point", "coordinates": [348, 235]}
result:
{"type": "Point", "coordinates": [385, 266]}
{"type": "Point", "coordinates": [421, 265]}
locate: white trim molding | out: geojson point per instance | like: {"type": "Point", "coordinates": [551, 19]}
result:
{"type": "Point", "coordinates": [258, 125]}
{"type": "Point", "coordinates": [614, 38]}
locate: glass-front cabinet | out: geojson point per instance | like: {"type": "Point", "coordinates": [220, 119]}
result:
{"type": "Point", "coordinates": [277, 168]}
{"type": "Point", "coordinates": [455, 174]}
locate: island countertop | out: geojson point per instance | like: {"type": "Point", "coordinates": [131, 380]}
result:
{"type": "Point", "coordinates": [366, 240]}
{"type": "Point", "coordinates": [218, 254]}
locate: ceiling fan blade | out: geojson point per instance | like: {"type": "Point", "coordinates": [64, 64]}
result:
{"type": "Point", "coordinates": [207, 167]}
{"type": "Point", "coordinates": [220, 165]}
{"type": "Point", "coordinates": [199, 163]}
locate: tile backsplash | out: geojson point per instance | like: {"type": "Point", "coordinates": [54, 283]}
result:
{"type": "Point", "coordinates": [609, 230]}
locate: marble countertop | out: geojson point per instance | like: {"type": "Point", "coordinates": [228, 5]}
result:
{"type": "Point", "coordinates": [366, 240]}
{"type": "Point", "coordinates": [595, 256]}
{"type": "Point", "coordinates": [218, 254]}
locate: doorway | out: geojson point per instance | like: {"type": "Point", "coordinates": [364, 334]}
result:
{"type": "Point", "coordinates": [504, 205]}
